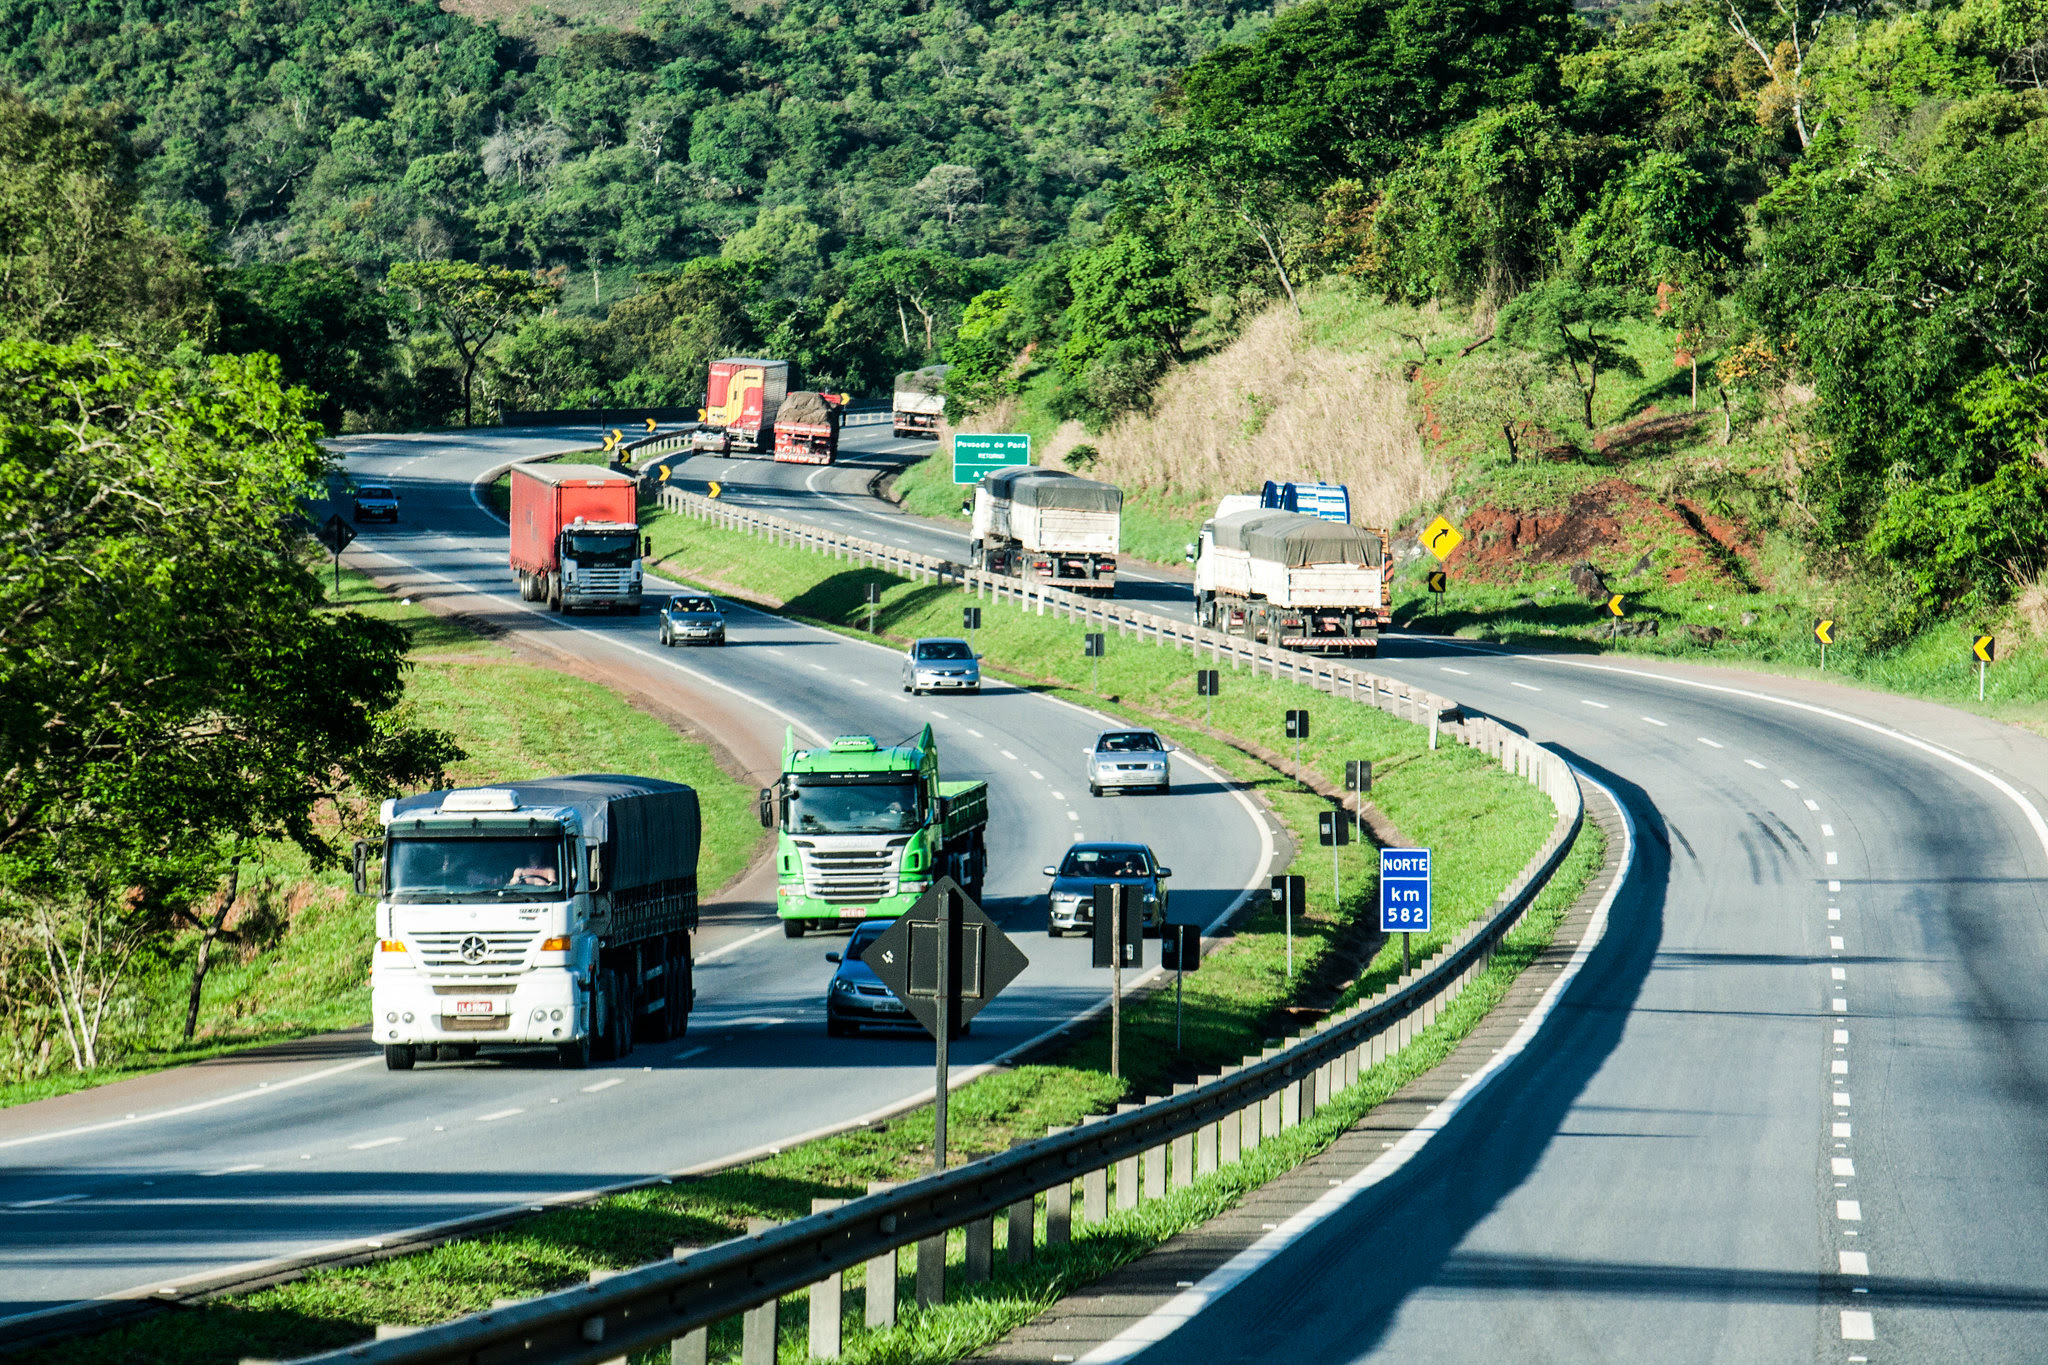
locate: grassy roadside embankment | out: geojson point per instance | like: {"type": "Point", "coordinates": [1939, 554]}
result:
{"type": "Point", "coordinates": [1484, 824]}
{"type": "Point", "coordinates": [304, 967]}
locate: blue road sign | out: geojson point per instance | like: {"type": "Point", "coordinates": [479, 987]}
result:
{"type": "Point", "coordinates": [1404, 890]}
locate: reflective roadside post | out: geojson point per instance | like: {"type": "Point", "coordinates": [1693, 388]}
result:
{"type": "Point", "coordinates": [1207, 684]}
{"type": "Point", "coordinates": [1119, 941]}
{"type": "Point", "coordinates": [1289, 893]}
{"type": "Point", "coordinates": [1180, 952]}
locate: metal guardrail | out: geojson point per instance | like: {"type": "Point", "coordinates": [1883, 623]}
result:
{"type": "Point", "coordinates": [1165, 1144]}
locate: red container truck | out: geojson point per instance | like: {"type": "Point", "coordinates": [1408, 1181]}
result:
{"type": "Point", "coordinates": [576, 537]}
{"type": "Point", "coordinates": [741, 399]}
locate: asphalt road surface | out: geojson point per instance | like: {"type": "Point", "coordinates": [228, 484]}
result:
{"type": "Point", "coordinates": [189, 1173]}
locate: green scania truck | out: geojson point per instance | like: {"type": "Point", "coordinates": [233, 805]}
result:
{"type": "Point", "coordinates": [864, 829]}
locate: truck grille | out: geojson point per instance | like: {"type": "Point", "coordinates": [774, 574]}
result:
{"type": "Point", "coordinates": [849, 877]}
{"type": "Point", "coordinates": [470, 951]}
{"type": "Point", "coordinates": [607, 581]}
{"type": "Point", "coordinates": [476, 1023]}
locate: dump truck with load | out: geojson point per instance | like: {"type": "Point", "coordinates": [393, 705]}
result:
{"type": "Point", "coordinates": [553, 913]}
{"type": "Point", "coordinates": [919, 401]}
{"type": "Point", "coordinates": [1293, 580]}
{"type": "Point", "coordinates": [864, 829]}
{"type": "Point", "coordinates": [807, 428]}
{"type": "Point", "coordinates": [576, 537]}
{"type": "Point", "coordinates": [741, 399]}
{"type": "Point", "coordinates": [1048, 525]}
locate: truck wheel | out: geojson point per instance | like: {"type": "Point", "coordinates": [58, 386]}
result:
{"type": "Point", "coordinates": [573, 1056]}
{"type": "Point", "coordinates": [554, 593]}
{"type": "Point", "coordinates": [398, 1057]}
{"type": "Point", "coordinates": [678, 987]}
{"type": "Point", "coordinates": [793, 928]}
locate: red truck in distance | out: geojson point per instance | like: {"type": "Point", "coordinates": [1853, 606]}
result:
{"type": "Point", "coordinates": [807, 428]}
{"type": "Point", "coordinates": [576, 537]}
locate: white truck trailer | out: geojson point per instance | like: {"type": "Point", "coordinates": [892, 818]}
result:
{"type": "Point", "coordinates": [1048, 525]}
{"type": "Point", "coordinates": [1293, 580]}
{"type": "Point", "coordinates": [919, 401]}
{"type": "Point", "coordinates": [555, 913]}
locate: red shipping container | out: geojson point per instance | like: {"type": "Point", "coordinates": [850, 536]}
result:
{"type": "Point", "coordinates": [548, 497]}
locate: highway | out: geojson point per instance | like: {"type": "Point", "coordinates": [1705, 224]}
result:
{"type": "Point", "coordinates": [1796, 1106]}
{"type": "Point", "coordinates": [179, 1176]}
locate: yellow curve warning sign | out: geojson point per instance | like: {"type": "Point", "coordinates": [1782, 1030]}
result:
{"type": "Point", "coordinates": [1616, 605]}
{"type": "Point", "coordinates": [1985, 648]}
{"type": "Point", "coordinates": [1440, 538]}
{"type": "Point", "coordinates": [714, 490]}
{"type": "Point", "coordinates": [1825, 632]}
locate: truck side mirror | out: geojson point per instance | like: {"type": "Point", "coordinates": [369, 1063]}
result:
{"type": "Point", "coordinates": [359, 864]}
{"type": "Point", "coordinates": [944, 808]}
{"type": "Point", "coordinates": [766, 802]}
{"type": "Point", "coordinates": [1191, 553]}
{"type": "Point", "coordinates": [595, 878]}
{"type": "Point", "coordinates": [647, 547]}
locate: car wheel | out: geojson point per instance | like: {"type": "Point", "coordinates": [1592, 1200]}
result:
{"type": "Point", "coordinates": [398, 1057]}
{"type": "Point", "coordinates": [1164, 789]}
{"type": "Point", "coordinates": [835, 1029]}
{"type": "Point", "coordinates": [1094, 790]}
{"type": "Point", "coordinates": [573, 1056]}
{"type": "Point", "coordinates": [667, 641]}
{"type": "Point", "coordinates": [793, 928]}
{"type": "Point", "coordinates": [1054, 931]}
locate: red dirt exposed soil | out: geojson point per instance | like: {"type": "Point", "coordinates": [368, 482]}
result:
{"type": "Point", "coordinates": [1611, 524]}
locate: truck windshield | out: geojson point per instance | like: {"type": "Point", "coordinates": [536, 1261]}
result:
{"type": "Point", "coordinates": [601, 549]}
{"type": "Point", "coordinates": [856, 808]}
{"type": "Point", "coordinates": [427, 869]}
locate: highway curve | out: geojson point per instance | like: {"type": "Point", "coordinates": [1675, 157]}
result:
{"type": "Point", "coordinates": [177, 1176]}
{"type": "Point", "coordinates": [1796, 1106]}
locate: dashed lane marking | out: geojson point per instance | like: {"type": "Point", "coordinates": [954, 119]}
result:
{"type": "Point", "coordinates": [1752, 763]}
{"type": "Point", "coordinates": [1843, 1166]}
{"type": "Point", "coordinates": [1848, 1210]}
{"type": "Point", "coordinates": [501, 1114]}
{"type": "Point", "coordinates": [373, 1142]}
{"type": "Point", "coordinates": [235, 1170]}
{"type": "Point", "coordinates": [1712, 743]}
{"type": "Point", "coordinates": [1857, 1326]}
{"type": "Point", "coordinates": [1586, 701]}
{"type": "Point", "coordinates": [1832, 858]}
{"type": "Point", "coordinates": [1526, 687]}
{"type": "Point", "coordinates": [1459, 671]}
{"type": "Point", "coordinates": [1812, 805]}
{"type": "Point", "coordinates": [53, 1199]}
{"type": "Point", "coordinates": [1855, 1262]}
{"type": "Point", "coordinates": [602, 1085]}
{"type": "Point", "coordinates": [1654, 721]}
{"type": "Point", "coordinates": [1789, 783]}
{"type": "Point", "coordinates": [1007, 754]}
{"type": "Point", "coordinates": [1827, 831]}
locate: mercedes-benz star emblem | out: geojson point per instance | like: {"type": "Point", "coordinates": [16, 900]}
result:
{"type": "Point", "coordinates": [474, 949]}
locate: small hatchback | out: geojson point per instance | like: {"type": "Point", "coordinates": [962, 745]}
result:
{"type": "Point", "coordinates": [941, 666]}
{"type": "Point", "coordinates": [1125, 760]}
{"type": "Point", "coordinates": [692, 621]}
{"type": "Point", "coordinates": [1070, 901]}
{"type": "Point", "coordinates": [375, 502]}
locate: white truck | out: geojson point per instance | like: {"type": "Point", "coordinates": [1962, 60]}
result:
{"type": "Point", "coordinates": [1049, 525]}
{"type": "Point", "coordinates": [555, 913]}
{"type": "Point", "coordinates": [1293, 580]}
{"type": "Point", "coordinates": [919, 401]}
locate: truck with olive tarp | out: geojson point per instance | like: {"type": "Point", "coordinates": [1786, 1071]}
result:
{"type": "Point", "coordinates": [553, 913]}
{"type": "Point", "coordinates": [1048, 525]}
{"type": "Point", "coordinates": [1293, 580]}
{"type": "Point", "coordinates": [864, 829]}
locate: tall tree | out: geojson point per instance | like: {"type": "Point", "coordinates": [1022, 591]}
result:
{"type": "Point", "coordinates": [474, 304]}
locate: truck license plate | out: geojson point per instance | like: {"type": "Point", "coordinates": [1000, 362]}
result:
{"type": "Point", "coordinates": [472, 1007]}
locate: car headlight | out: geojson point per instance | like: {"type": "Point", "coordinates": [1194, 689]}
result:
{"type": "Point", "coordinates": [842, 987]}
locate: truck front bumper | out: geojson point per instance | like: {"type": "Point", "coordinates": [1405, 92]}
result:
{"type": "Point", "coordinates": [608, 601]}
{"type": "Point", "coordinates": [791, 903]}
{"type": "Point", "coordinates": [410, 1006]}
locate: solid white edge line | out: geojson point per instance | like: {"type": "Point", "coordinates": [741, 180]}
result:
{"type": "Point", "coordinates": [269, 1088]}
{"type": "Point", "coordinates": [1171, 1316]}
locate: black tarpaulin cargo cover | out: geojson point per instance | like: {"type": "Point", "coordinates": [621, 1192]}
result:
{"type": "Point", "coordinates": [1030, 486]}
{"type": "Point", "coordinates": [1296, 540]}
{"type": "Point", "coordinates": [931, 381]}
{"type": "Point", "coordinates": [649, 827]}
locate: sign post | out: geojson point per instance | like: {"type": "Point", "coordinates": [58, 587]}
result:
{"type": "Point", "coordinates": [1297, 730]}
{"type": "Point", "coordinates": [1289, 893]}
{"type": "Point", "coordinates": [1825, 633]}
{"type": "Point", "coordinates": [1984, 649]}
{"type": "Point", "coordinates": [970, 621]}
{"type": "Point", "coordinates": [976, 455]}
{"type": "Point", "coordinates": [945, 960]}
{"type": "Point", "coordinates": [1404, 895]}
{"type": "Point", "coordinates": [1617, 608]}
{"type": "Point", "coordinates": [1119, 931]}
{"type": "Point", "coordinates": [1208, 682]}
{"type": "Point", "coordinates": [874, 604]}
{"type": "Point", "coordinates": [1333, 831]}
{"type": "Point", "coordinates": [335, 534]}
{"type": "Point", "coordinates": [1091, 648]}
{"type": "Point", "coordinates": [1180, 952]}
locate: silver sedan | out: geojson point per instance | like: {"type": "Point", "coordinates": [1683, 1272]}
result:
{"type": "Point", "coordinates": [941, 665]}
{"type": "Point", "coordinates": [1122, 760]}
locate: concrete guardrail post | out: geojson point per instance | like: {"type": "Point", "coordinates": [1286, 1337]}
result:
{"type": "Point", "coordinates": [758, 1324]}
{"type": "Point", "coordinates": [1183, 1151]}
{"type": "Point", "coordinates": [1095, 1186]}
{"type": "Point", "coordinates": [826, 1298]}
{"type": "Point", "coordinates": [931, 1271]}
{"type": "Point", "coordinates": [1021, 1232]}
{"type": "Point", "coordinates": [981, 1250]}
{"type": "Point", "coordinates": [1127, 1171]}
{"type": "Point", "coordinates": [881, 1276]}
{"type": "Point", "coordinates": [1059, 1207]}
{"type": "Point", "coordinates": [1206, 1140]}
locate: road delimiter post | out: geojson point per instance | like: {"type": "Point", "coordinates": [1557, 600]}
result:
{"type": "Point", "coordinates": [1127, 1171]}
{"type": "Point", "coordinates": [1023, 1226]}
{"type": "Point", "coordinates": [981, 1250]}
{"type": "Point", "coordinates": [757, 1324]}
{"type": "Point", "coordinates": [1183, 1151]}
{"type": "Point", "coordinates": [826, 1296]}
{"type": "Point", "coordinates": [931, 1271]}
{"type": "Point", "coordinates": [1059, 1207]}
{"type": "Point", "coordinates": [881, 1276]}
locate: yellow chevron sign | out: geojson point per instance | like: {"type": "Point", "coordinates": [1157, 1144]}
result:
{"type": "Point", "coordinates": [1825, 632]}
{"type": "Point", "coordinates": [1439, 581]}
{"type": "Point", "coordinates": [650, 426]}
{"type": "Point", "coordinates": [1985, 648]}
{"type": "Point", "coordinates": [1614, 605]}
{"type": "Point", "coordinates": [714, 490]}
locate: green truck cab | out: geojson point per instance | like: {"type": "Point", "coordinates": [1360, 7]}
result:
{"type": "Point", "coordinates": [864, 829]}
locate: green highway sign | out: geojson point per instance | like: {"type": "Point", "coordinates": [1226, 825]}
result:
{"type": "Point", "coordinates": [976, 455]}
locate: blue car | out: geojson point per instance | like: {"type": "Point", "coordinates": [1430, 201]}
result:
{"type": "Point", "coordinates": [857, 997]}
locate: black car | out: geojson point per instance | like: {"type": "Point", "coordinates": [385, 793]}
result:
{"type": "Point", "coordinates": [1070, 902]}
{"type": "Point", "coordinates": [692, 620]}
{"type": "Point", "coordinates": [374, 500]}
{"type": "Point", "coordinates": [857, 996]}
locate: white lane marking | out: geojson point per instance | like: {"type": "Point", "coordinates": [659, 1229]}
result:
{"type": "Point", "coordinates": [1841, 1006]}
{"type": "Point", "coordinates": [1789, 783]}
{"type": "Point", "coordinates": [1752, 763]}
{"type": "Point", "coordinates": [1841, 1035]}
{"type": "Point", "coordinates": [1827, 831]}
{"type": "Point", "coordinates": [1007, 754]}
{"type": "Point", "coordinates": [267, 1088]}
{"type": "Point", "coordinates": [693, 1052]}
{"type": "Point", "coordinates": [821, 668]}
{"type": "Point", "coordinates": [1583, 701]}
{"type": "Point", "coordinates": [500, 1114]}
{"type": "Point", "coordinates": [740, 943]}
{"type": "Point", "coordinates": [1712, 743]}
{"type": "Point", "coordinates": [940, 715]}
{"type": "Point", "coordinates": [1841, 1099]}
{"type": "Point", "coordinates": [1071, 815]}
{"type": "Point", "coordinates": [1843, 1166]}
{"type": "Point", "coordinates": [1838, 1067]}
{"type": "Point", "coordinates": [602, 1085]}
{"type": "Point", "coordinates": [1855, 1262]}
{"type": "Point", "coordinates": [1858, 1326]}
{"type": "Point", "coordinates": [1841, 1130]}
{"type": "Point", "coordinates": [1832, 858]}
{"type": "Point", "coordinates": [1526, 687]}
{"type": "Point", "coordinates": [1184, 1307]}
{"type": "Point", "coordinates": [1654, 721]}
{"type": "Point", "coordinates": [1838, 973]}
{"type": "Point", "coordinates": [1834, 886]}
{"type": "Point", "coordinates": [857, 682]}
{"type": "Point", "coordinates": [1459, 671]}
{"type": "Point", "coordinates": [373, 1142]}
{"type": "Point", "coordinates": [976, 733]}
{"type": "Point", "coordinates": [1057, 796]}
{"type": "Point", "coordinates": [235, 1170]}
{"type": "Point", "coordinates": [1811, 804]}
{"type": "Point", "coordinates": [1835, 942]}
{"type": "Point", "coordinates": [53, 1199]}
{"type": "Point", "coordinates": [1040, 776]}
{"type": "Point", "coordinates": [1848, 1210]}
{"type": "Point", "coordinates": [1834, 912]}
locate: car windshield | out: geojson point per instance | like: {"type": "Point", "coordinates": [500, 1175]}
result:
{"type": "Point", "coordinates": [881, 807]}
{"type": "Point", "coordinates": [691, 604]}
{"type": "Point", "coordinates": [1106, 862]}
{"type": "Point", "coordinates": [373, 492]}
{"type": "Point", "coordinates": [858, 944]}
{"type": "Point", "coordinates": [601, 549]}
{"type": "Point", "coordinates": [1128, 742]}
{"type": "Point", "coordinates": [427, 869]}
{"type": "Point", "coordinates": [944, 649]}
